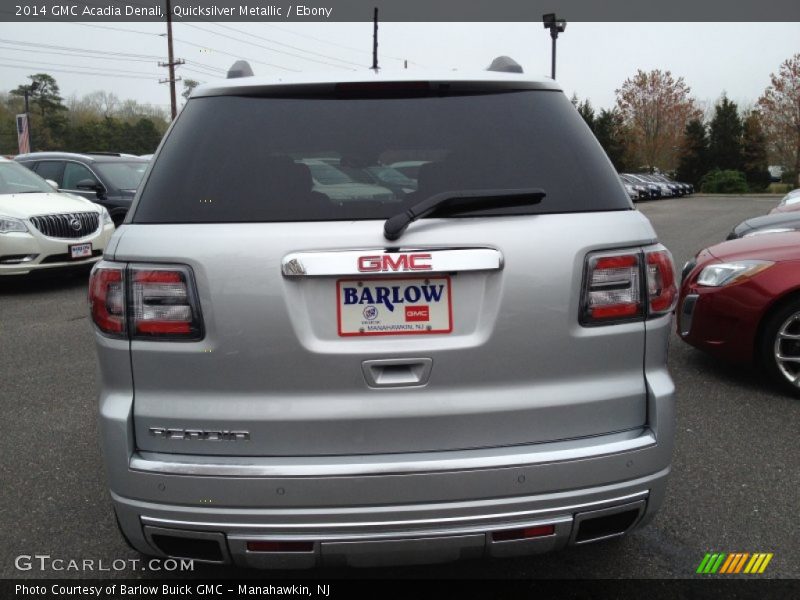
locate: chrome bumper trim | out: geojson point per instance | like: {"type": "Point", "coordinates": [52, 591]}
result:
{"type": "Point", "coordinates": [480, 523]}
{"type": "Point", "coordinates": [428, 462]}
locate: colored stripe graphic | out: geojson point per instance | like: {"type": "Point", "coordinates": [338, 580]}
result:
{"type": "Point", "coordinates": [733, 563]}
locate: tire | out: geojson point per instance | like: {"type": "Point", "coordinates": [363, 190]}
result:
{"type": "Point", "coordinates": [779, 352]}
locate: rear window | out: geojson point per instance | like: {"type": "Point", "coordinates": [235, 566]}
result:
{"type": "Point", "coordinates": [123, 175]}
{"type": "Point", "coordinates": [261, 159]}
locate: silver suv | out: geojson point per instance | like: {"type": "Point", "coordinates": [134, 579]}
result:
{"type": "Point", "coordinates": [472, 366]}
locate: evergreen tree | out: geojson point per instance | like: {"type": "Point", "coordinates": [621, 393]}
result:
{"type": "Point", "coordinates": [693, 160]}
{"type": "Point", "coordinates": [754, 153]}
{"type": "Point", "coordinates": [613, 136]}
{"type": "Point", "coordinates": [725, 137]}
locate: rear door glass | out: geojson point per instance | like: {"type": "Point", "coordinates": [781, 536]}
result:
{"type": "Point", "coordinates": [51, 169]}
{"type": "Point", "coordinates": [246, 159]}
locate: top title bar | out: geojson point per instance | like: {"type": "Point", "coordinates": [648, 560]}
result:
{"type": "Point", "coordinates": [401, 10]}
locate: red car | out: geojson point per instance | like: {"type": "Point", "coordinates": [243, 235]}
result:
{"type": "Point", "coordinates": [740, 301]}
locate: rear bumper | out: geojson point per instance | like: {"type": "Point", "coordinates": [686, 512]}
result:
{"type": "Point", "coordinates": [393, 509]}
{"type": "Point", "coordinates": [392, 534]}
{"type": "Point", "coordinates": [386, 509]}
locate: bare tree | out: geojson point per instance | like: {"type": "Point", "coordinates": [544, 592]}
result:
{"type": "Point", "coordinates": [780, 110]}
{"type": "Point", "coordinates": [656, 107]}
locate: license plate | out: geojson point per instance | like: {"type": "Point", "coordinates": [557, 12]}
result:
{"type": "Point", "coordinates": [392, 306]}
{"type": "Point", "coordinates": [80, 250]}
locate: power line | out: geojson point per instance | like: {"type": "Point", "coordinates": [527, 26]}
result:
{"type": "Point", "coordinates": [96, 73]}
{"type": "Point", "coordinates": [338, 45]}
{"type": "Point", "coordinates": [258, 37]}
{"type": "Point", "coordinates": [264, 47]}
{"type": "Point", "coordinates": [236, 56]}
{"type": "Point", "coordinates": [95, 54]}
{"type": "Point", "coordinates": [71, 48]}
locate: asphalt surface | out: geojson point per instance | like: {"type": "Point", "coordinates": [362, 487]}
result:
{"type": "Point", "coordinates": [735, 485]}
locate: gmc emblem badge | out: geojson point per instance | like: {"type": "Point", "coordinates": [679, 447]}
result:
{"type": "Point", "coordinates": [398, 262]}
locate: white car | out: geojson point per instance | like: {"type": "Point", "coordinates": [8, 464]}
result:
{"type": "Point", "coordinates": [41, 228]}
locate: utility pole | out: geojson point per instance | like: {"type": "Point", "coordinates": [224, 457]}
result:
{"type": "Point", "coordinates": [171, 64]}
{"type": "Point", "coordinates": [375, 40]}
{"type": "Point", "coordinates": [29, 90]}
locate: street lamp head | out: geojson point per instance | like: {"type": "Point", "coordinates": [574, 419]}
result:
{"type": "Point", "coordinates": [561, 25]}
{"type": "Point", "coordinates": [549, 20]}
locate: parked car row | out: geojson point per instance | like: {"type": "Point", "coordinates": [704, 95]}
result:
{"type": "Point", "coordinates": [41, 228]}
{"type": "Point", "coordinates": [651, 186]}
{"type": "Point", "coordinates": [109, 179]}
{"type": "Point", "coordinates": [740, 300]}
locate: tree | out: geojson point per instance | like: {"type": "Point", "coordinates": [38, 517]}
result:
{"type": "Point", "coordinates": [656, 107]}
{"type": "Point", "coordinates": [45, 94]}
{"type": "Point", "coordinates": [613, 136]}
{"type": "Point", "coordinates": [47, 123]}
{"type": "Point", "coordinates": [754, 153]}
{"type": "Point", "coordinates": [188, 87]}
{"type": "Point", "coordinates": [693, 155]}
{"type": "Point", "coordinates": [585, 110]}
{"type": "Point", "coordinates": [725, 137]}
{"type": "Point", "coordinates": [780, 110]}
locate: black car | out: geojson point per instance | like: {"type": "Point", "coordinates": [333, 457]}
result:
{"type": "Point", "coordinates": [775, 223]}
{"type": "Point", "coordinates": [105, 178]}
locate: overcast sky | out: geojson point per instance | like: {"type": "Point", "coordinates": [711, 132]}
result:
{"type": "Point", "coordinates": [593, 58]}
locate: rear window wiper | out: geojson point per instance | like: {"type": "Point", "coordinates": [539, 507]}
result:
{"type": "Point", "coordinates": [501, 198]}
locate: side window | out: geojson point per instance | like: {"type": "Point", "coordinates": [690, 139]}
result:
{"type": "Point", "coordinates": [51, 169]}
{"type": "Point", "coordinates": [73, 173]}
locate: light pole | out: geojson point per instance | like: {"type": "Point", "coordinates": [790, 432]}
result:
{"type": "Point", "coordinates": [555, 26]}
{"type": "Point", "coordinates": [28, 90]}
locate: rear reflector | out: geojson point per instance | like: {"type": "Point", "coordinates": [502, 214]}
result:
{"type": "Point", "coordinates": [272, 546]}
{"type": "Point", "coordinates": [107, 299]}
{"type": "Point", "coordinates": [524, 533]}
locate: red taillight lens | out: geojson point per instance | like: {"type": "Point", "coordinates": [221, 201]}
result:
{"type": "Point", "coordinates": [661, 287]}
{"type": "Point", "coordinates": [163, 303]}
{"type": "Point", "coordinates": [612, 289]}
{"type": "Point", "coordinates": [107, 299]}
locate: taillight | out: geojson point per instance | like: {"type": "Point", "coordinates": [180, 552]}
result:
{"type": "Point", "coordinates": [662, 290]}
{"type": "Point", "coordinates": [107, 299]}
{"type": "Point", "coordinates": [612, 288]}
{"type": "Point", "coordinates": [628, 286]}
{"type": "Point", "coordinates": [162, 303]}
{"type": "Point", "coordinates": [145, 301]}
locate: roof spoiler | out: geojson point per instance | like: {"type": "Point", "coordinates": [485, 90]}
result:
{"type": "Point", "coordinates": [505, 64]}
{"type": "Point", "coordinates": [241, 68]}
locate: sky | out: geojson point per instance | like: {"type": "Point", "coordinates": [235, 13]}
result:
{"type": "Point", "coordinates": [593, 59]}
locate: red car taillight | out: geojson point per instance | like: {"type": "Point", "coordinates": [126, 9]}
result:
{"type": "Point", "coordinates": [628, 286]}
{"type": "Point", "coordinates": [612, 290]}
{"type": "Point", "coordinates": [146, 302]}
{"type": "Point", "coordinates": [107, 299]}
{"type": "Point", "coordinates": [662, 289]}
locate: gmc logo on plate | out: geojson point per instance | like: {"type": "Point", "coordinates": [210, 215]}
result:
{"type": "Point", "coordinates": [418, 313]}
{"type": "Point", "coordinates": [398, 262]}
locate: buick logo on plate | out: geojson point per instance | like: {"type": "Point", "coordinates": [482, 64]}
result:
{"type": "Point", "coordinates": [75, 224]}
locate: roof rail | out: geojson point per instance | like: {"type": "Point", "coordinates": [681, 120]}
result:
{"type": "Point", "coordinates": [241, 68]}
{"type": "Point", "coordinates": [505, 64]}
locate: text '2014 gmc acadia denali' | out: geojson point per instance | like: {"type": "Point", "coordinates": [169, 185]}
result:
{"type": "Point", "coordinates": [309, 367]}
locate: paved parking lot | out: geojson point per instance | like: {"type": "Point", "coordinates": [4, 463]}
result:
{"type": "Point", "coordinates": [735, 485]}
